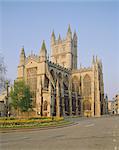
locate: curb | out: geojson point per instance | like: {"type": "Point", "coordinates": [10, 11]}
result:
{"type": "Point", "coordinates": [6, 130]}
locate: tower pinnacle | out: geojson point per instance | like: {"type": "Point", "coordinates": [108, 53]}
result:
{"type": "Point", "coordinates": [43, 51]}
{"type": "Point", "coordinates": [59, 38]}
{"type": "Point", "coordinates": [53, 34]}
{"type": "Point", "coordinates": [93, 61]}
{"type": "Point", "coordinates": [53, 37]}
{"type": "Point", "coordinates": [75, 35]}
{"type": "Point", "coordinates": [43, 46]}
{"type": "Point", "coordinates": [69, 29]}
{"type": "Point", "coordinates": [69, 33]}
{"type": "Point", "coordinates": [22, 56]}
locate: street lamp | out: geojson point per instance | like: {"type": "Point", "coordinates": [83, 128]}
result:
{"type": "Point", "coordinates": [7, 96]}
{"type": "Point", "coordinates": [52, 114]}
{"type": "Point", "coordinates": [41, 106]}
{"type": "Point", "coordinates": [41, 102]}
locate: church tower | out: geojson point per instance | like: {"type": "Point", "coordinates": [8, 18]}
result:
{"type": "Point", "coordinates": [21, 65]}
{"type": "Point", "coordinates": [64, 51]}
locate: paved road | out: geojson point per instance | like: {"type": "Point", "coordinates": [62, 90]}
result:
{"type": "Point", "coordinates": [87, 134]}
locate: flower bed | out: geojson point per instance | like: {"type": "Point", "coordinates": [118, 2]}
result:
{"type": "Point", "coordinates": [8, 122]}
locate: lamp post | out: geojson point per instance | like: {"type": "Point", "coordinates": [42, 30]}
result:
{"type": "Point", "coordinates": [41, 101]}
{"type": "Point", "coordinates": [7, 96]}
{"type": "Point", "coordinates": [51, 106]}
{"type": "Point", "coordinates": [41, 106]}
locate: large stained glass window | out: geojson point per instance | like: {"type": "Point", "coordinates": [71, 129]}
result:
{"type": "Point", "coordinates": [87, 86]}
{"type": "Point", "coordinates": [75, 84]}
{"type": "Point", "coordinates": [32, 81]}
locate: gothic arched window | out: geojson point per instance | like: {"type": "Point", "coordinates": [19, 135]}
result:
{"type": "Point", "coordinates": [45, 105]}
{"type": "Point", "coordinates": [53, 74]}
{"type": "Point", "coordinates": [75, 84]}
{"type": "Point", "coordinates": [87, 105]}
{"type": "Point", "coordinates": [66, 82]}
{"type": "Point", "coordinates": [87, 86]}
{"type": "Point", "coordinates": [46, 82]}
{"type": "Point", "coordinates": [32, 82]}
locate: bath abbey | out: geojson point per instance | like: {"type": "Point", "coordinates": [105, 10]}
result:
{"type": "Point", "coordinates": [59, 87]}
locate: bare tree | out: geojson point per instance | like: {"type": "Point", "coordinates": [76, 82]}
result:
{"type": "Point", "coordinates": [2, 73]}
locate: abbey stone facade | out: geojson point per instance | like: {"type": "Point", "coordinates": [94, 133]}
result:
{"type": "Point", "coordinates": [59, 88]}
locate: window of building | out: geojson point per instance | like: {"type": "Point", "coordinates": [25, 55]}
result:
{"type": "Point", "coordinates": [46, 82]}
{"type": "Point", "coordinates": [45, 105]}
{"type": "Point", "coordinates": [75, 84]}
{"type": "Point", "coordinates": [86, 105]}
{"type": "Point", "coordinates": [87, 86]}
{"type": "Point", "coordinates": [32, 81]}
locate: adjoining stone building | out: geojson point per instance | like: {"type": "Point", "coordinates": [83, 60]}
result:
{"type": "Point", "coordinates": [113, 106]}
{"type": "Point", "coordinates": [117, 104]}
{"type": "Point", "coordinates": [59, 87]}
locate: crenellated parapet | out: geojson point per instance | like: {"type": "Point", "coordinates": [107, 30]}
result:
{"type": "Point", "coordinates": [82, 70]}
{"type": "Point", "coordinates": [33, 57]}
{"type": "Point", "coordinates": [58, 67]}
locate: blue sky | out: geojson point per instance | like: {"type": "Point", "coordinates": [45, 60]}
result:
{"type": "Point", "coordinates": [96, 23]}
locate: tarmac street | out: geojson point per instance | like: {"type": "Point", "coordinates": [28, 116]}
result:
{"type": "Point", "coordinates": [87, 134]}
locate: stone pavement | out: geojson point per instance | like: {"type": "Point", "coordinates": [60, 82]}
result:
{"type": "Point", "coordinates": [87, 134]}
